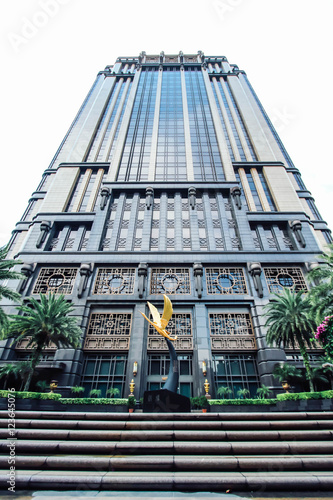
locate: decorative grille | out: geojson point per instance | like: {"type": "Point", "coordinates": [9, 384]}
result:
{"type": "Point", "coordinates": [108, 331]}
{"type": "Point", "coordinates": [231, 331]}
{"type": "Point", "coordinates": [114, 281]}
{"type": "Point", "coordinates": [170, 281]}
{"type": "Point", "coordinates": [278, 278]}
{"type": "Point", "coordinates": [180, 325]}
{"type": "Point", "coordinates": [22, 345]}
{"type": "Point", "coordinates": [226, 281]}
{"type": "Point", "coordinates": [55, 280]}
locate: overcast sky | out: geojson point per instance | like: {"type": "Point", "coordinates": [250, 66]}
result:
{"type": "Point", "coordinates": [51, 51]}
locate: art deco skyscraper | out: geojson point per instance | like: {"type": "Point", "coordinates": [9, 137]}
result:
{"type": "Point", "coordinates": [171, 180]}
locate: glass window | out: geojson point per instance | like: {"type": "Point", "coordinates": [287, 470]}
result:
{"type": "Point", "coordinates": [236, 372]}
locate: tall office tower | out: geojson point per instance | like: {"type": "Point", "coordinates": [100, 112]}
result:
{"type": "Point", "coordinates": [171, 180]}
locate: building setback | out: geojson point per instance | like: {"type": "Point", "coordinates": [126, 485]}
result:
{"type": "Point", "coordinates": [171, 180]}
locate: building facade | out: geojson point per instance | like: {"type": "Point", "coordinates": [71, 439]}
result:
{"type": "Point", "coordinates": [171, 180]}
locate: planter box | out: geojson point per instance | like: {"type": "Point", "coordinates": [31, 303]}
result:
{"type": "Point", "coordinates": [49, 405]}
{"type": "Point", "coordinates": [243, 408]}
{"type": "Point", "coordinates": [292, 406]}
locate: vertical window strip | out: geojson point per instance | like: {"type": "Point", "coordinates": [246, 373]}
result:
{"type": "Point", "coordinates": [226, 135]}
{"type": "Point", "coordinates": [170, 156]}
{"type": "Point", "coordinates": [232, 124]}
{"type": "Point", "coordinates": [92, 151]}
{"type": "Point", "coordinates": [207, 162]}
{"type": "Point", "coordinates": [241, 122]}
{"type": "Point", "coordinates": [254, 191]}
{"type": "Point", "coordinates": [267, 191]}
{"type": "Point", "coordinates": [134, 164]}
{"type": "Point", "coordinates": [114, 142]}
{"type": "Point", "coordinates": [314, 210]}
{"type": "Point", "coordinates": [75, 192]}
{"type": "Point", "coordinates": [299, 181]}
{"type": "Point", "coordinates": [87, 192]}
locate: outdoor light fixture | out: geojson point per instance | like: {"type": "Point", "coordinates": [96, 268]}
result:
{"type": "Point", "coordinates": [206, 386]}
{"type": "Point", "coordinates": [135, 368]}
{"type": "Point", "coordinates": [132, 387]}
{"type": "Point", "coordinates": [204, 368]}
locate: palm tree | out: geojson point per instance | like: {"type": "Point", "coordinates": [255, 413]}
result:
{"type": "Point", "coordinates": [42, 323]}
{"type": "Point", "coordinates": [289, 322]}
{"type": "Point", "coordinates": [263, 392]}
{"type": "Point", "coordinates": [224, 391]}
{"type": "Point", "coordinates": [16, 369]}
{"type": "Point", "coordinates": [77, 390]}
{"type": "Point", "coordinates": [5, 292]}
{"type": "Point", "coordinates": [321, 295]}
{"type": "Point", "coordinates": [113, 391]}
{"type": "Point", "coordinates": [243, 393]}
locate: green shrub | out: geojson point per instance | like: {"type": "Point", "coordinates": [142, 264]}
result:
{"type": "Point", "coordinates": [52, 396]}
{"type": "Point", "coordinates": [199, 402]}
{"type": "Point", "coordinates": [31, 395]}
{"type": "Point", "coordinates": [299, 396]}
{"type": "Point", "coordinates": [240, 402]}
{"type": "Point", "coordinates": [131, 402]}
{"type": "Point", "coordinates": [93, 401]}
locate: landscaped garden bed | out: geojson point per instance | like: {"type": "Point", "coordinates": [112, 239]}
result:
{"type": "Point", "coordinates": [302, 401]}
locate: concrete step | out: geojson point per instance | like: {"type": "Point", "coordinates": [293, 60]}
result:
{"type": "Point", "coordinates": [170, 447]}
{"type": "Point", "coordinates": [28, 423]}
{"type": "Point", "coordinates": [174, 463]}
{"type": "Point", "coordinates": [169, 452]}
{"type": "Point", "coordinates": [168, 435]}
{"type": "Point", "coordinates": [174, 417]}
{"type": "Point", "coordinates": [170, 481]}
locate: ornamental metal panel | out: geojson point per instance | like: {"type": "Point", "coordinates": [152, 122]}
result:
{"type": "Point", "coordinates": [55, 280]}
{"type": "Point", "coordinates": [170, 281]}
{"type": "Point", "coordinates": [225, 281]}
{"type": "Point", "coordinates": [108, 331]}
{"type": "Point", "coordinates": [114, 281]}
{"type": "Point", "coordinates": [231, 331]}
{"type": "Point", "coordinates": [279, 278]}
{"type": "Point", "coordinates": [180, 325]}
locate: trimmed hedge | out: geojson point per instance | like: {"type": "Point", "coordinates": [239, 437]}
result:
{"type": "Point", "coordinates": [239, 402]}
{"type": "Point", "coordinates": [92, 401]}
{"type": "Point", "coordinates": [30, 395]}
{"type": "Point", "coordinates": [298, 396]}
{"type": "Point", "coordinates": [65, 401]}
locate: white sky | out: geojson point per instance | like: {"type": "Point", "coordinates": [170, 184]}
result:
{"type": "Point", "coordinates": [51, 51]}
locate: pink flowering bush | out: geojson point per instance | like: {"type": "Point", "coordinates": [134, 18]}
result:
{"type": "Point", "coordinates": [324, 334]}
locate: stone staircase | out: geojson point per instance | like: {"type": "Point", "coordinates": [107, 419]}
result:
{"type": "Point", "coordinates": [170, 452]}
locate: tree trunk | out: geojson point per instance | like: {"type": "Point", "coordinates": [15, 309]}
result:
{"type": "Point", "coordinates": [35, 357]}
{"type": "Point", "coordinates": [307, 365]}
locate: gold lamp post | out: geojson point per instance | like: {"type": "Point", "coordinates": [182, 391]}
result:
{"type": "Point", "coordinates": [206, 386]}
{"type": "Point", "coordinates": [132, 387]}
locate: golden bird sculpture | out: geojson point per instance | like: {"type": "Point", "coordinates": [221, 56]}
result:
{"type": "Point", "coordinates": [160, 322]}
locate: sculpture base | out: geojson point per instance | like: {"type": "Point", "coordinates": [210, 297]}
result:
{"type": "Point", "coordinates": [165, 401]}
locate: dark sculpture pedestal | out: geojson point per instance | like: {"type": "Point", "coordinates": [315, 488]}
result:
{"type": "Point", "coordinates": [165, 401]}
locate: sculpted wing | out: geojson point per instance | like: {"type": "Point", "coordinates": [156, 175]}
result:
{"type": "Point", "coordinates": [167, 312]}
{"type": "Point", "coordinates": [155, 314]}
